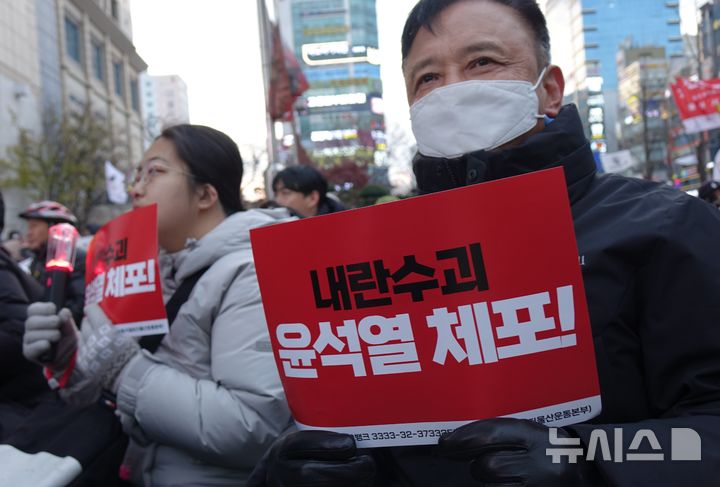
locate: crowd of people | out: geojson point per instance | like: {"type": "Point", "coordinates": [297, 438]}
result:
{"type": "Point", "coordinates": [204, 405]}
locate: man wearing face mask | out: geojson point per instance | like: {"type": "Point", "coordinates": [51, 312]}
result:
{"type": "Point", "coordinates": [486, 104]}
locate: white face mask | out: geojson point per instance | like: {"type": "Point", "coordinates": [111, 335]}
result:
{"type": "Point", "coordinates": [474, 115]}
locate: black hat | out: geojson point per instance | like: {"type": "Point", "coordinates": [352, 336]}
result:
{"type": "Point", "coordinates": [706, 190]}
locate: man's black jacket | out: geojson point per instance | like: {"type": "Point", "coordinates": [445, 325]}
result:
{"type": "Point", "coordinates": [650, 259]}
{"type": "Point", "coordinates": [20, 379]}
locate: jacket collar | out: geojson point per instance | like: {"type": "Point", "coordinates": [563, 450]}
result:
{"type": "Point", "coordinates": [561, 144]}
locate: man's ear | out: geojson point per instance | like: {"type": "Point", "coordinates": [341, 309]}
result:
{"type": "Point", "coordinates": [553, 85]}
{"type": "Point", "coordinates": [313, 198]}
{"type": "Point", "coordinates": [208, 196]}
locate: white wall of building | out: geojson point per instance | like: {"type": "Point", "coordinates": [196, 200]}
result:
{"type": "Point", "coordinates": [20, 92]}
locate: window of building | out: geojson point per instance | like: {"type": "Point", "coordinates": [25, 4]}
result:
{"type": "Point", "coordinates": [118, 77]}
{"type": "Point", "coordinates": [114, 10]}
{"type": "Point", "coordinates": [134, 95]}
{"type": "Point", "coordinates": [98, 59]}
{"type": "Point", "coordinates": [72, 39]}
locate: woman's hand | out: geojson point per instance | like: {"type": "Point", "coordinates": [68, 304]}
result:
{"type": "Point", "coordinates": [103, 351]}
{"type": "Point", "coordinates": [49, 334]}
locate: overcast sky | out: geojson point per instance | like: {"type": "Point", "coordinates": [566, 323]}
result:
{"type": "Point", "coordinates": [214, 46]}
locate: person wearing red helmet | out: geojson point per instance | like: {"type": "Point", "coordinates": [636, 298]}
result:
{"type": "Point", "coordinates": [40, 217]}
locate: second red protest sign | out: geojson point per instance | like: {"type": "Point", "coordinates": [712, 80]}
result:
{"type": "Point", "coordinates": [123, 275]}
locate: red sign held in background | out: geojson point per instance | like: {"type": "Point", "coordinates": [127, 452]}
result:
{"type": "Point", "coordinates": [398, 322]}
{"type": "Point", "coordinates": [123, 275]}
{"type": "Point", "coordinates": [698, 103]}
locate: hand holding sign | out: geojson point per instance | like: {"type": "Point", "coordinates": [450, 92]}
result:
{"type": "Point", "coordinates": [514, 451]}
{"type": "Point", "coordinates": [104, 350]}
{"type": "Point", "coordinates": [305, 458]}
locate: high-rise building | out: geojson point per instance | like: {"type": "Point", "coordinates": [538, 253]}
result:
{"type": "Point", "coordinates": [336, 42]}
{"type": "Point", "coordinates": [165, 103]}
{"type": "Point", "coordinates": [20, 87]}
{"type": "Point", "coordinates": [62, 56]}
{"type": "Point", "coordinates": [709, 37]}
{"type": "Point", "coordinates": [644, 111]}
{"type": "Point", "coordinates": [585, 37]}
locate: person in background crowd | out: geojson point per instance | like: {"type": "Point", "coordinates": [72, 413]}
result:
{"type": "Point", "coordinates": [21, 382]}
{"type": "Point", "coordinates": [40, 217]}
{"type": "Point", "coordinates": [202, 403]}
{"type": "Point", "coordinates": [304, 190]}
{"type": "Point", "coordinates": [486, 104]}
{"type": "Point", "coordinates": [14, 245]}
{"type": "Point", "coordinates": [710, 192]}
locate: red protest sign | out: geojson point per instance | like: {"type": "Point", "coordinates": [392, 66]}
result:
{"type": "Point", "coordinates": [122, 273]}
{"type": "Point", "coordinates": [398, 322]}
{"type": "Point", "coordinates": [698, 103]}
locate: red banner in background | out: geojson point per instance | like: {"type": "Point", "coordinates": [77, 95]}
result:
{"type": "Point", "coordinates": [698, 103]}
{"type": "Point", "coordinates": [287, 80]}
{"type": "Point", "coordinates": [123, 275]}
{"type": "Point", "coordinates": [398, 322]}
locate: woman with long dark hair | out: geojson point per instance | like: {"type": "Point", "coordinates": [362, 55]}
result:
{"type": "Point", "coordinates": [203, 404]}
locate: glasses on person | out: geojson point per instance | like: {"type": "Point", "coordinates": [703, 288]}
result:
{"type": "Point", "coordinates": [145, 174]}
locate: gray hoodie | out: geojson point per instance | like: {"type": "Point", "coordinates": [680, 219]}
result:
{"type": "Point", "coordinates": [206, 405]}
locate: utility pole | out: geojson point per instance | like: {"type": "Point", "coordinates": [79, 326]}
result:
{"type": "Point", "coordinates": [702, 147]}
{"type": "Point", "coordinates": [266, 56]}
{"type": "Point", "coordinates": [646, 135]}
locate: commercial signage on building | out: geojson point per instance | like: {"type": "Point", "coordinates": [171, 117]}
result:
{"type": "Point", "coordinates": [325, 30]}
{"type": "Point", "coordinates": [341, 100]}
{"type": "Point", "coordinates": [341, 52]}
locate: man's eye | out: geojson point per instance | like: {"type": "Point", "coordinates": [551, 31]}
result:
{"type": "Point", "coordinates": [426, 78]}
{"type": "Point", "coordinates": [483, 61]}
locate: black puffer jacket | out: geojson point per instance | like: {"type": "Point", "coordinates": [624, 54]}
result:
{"type": "Point", "coordinates": [20, 380]}
{"type": "Point", "coordinates": [329, 205]}
{"type": "Point", "coordinates": [650, 259]}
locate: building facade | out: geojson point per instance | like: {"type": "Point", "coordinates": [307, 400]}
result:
{"type": "Point", "coordinates": [165, 103]}
{"type": "Point", "coordinates": [99, 67]}
{"type": "Point", "coordinates": [644, 111]}
{"type": "Point", "coordinates": [585, 37]}
{"type": "Point", "coordinates": [61, 56]}
{"type": "Point", "coordinates": [20, 87]}
{"type": "Point", "coordinates": [341, 116]}
{"type": "Point", "coordinates": [709, 39]}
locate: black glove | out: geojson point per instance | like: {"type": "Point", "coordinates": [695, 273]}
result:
{"type": "Point", "coordinates": [512, 452]}
{"type": "Point", "coordinates": [314, 458]}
